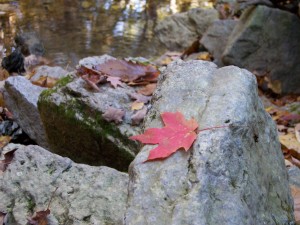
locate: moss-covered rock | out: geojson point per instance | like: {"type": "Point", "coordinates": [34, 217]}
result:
{"type": "Point", "coordinates": [72, 116]}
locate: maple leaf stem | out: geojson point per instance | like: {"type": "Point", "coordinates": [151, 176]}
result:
{"type": "Point", "coordinates": [52, 197]}
{"type": "Point", "coordinates": [210, 128]}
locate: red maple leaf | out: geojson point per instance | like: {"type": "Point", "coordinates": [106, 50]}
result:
{"type": "Point", "coordinates": [177, 133]}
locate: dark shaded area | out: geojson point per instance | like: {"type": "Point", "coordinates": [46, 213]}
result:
{"type": "Point", "coordinates": [14, 63]}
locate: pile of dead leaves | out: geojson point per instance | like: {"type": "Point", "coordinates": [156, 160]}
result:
{"type": "Point", "coordinates": [288, 125]}
{"type": "Point", "coordinates": [118, 73]}
{"type": "Point", "coordinates": [142, 77]}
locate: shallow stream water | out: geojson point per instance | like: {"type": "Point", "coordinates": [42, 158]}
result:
{"type": "Point", "coordinates": [71, 30]}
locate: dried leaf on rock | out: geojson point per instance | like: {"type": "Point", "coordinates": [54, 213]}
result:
{"type": "Point", "coordinates": [8, 157]}
{"type": "Point", "coordinates": [115, 81]}
{"type": "Point", "coordinates": [167, 58]}
{"type": "Point", "coordinates": [297, 132]}
{"type": "Point", "coordinates": [137, 105]}
{"type": "Point", "coordinates": [147, 90]}
{"type": "Point", "coordinates": [83, 70]}
{"type": "Point", "coordinates": [45, 81]}
{"type": "Point", "coordinates": [90, 83]}
{"type": "Point", "coordinates": [139, 116]}
{"type": "Point", "coordinates": [205, 56]}
{"type": "Point", "coordinates": [177, 133]}
{"type": "Point", "coordinates": [127, 71]}
{"type": "Point", "coordinates": [113, 114]}
{"type": "Point", "coordinates": [140, 98]}
{"type": "Point", "coordinates": [40, 218]}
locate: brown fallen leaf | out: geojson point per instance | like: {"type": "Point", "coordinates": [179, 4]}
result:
{"type": "Point", "coordinates": [40, 217]}
{"type": "Point", "coordinates": [2, 104]}
{"type": "Point", "coordinates": [3, 76]}
{"type": "Point", "coordinates": [8, 157]}
{"type": "Point", "coordinates": [205, 56]}
{"type": "Point", "coordinates": [115, 81]}
{"type": "Point", "coordinates": [139, 116]}
{"type": "Point", "coordinates": [289, 140]}
{"type": "Point", "coordinates": [90, 83]}
{"type": "Point", "coordinates": [137, 105]}
{"type": "Point", "coordinates": [4, 140]}
{"type": "Point", "coordinates": [148, 89]}
{"type": "Point", "coordinates": [127, 71]}
{"type": "Point", "coordinates": [113, 114]}
{"type": "Point", "coordinates": [8, 114]}
{"type": "Point", "coordinates": [296, 195]}
{"type": "Point", "coordinates": [297, 131]}
{"type": "Point", "coordinates": [2, 218]}
{"type": "Point", "coordinates": [140, 98]}
{"type": "Point", "coordinates": [50, 82]}
{"type": "Point", "coordinates": [45, 81]}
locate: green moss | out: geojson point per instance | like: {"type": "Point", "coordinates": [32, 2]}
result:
{"type": "Point", "coordinates": [99, 141]}
{"type": "Point", "coordinates": [30, 204]}
{"type": "Point", "coordinates": [60, 83]}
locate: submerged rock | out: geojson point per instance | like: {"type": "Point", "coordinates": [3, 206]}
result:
{"type": "Point", "coordinates": [85, 194]}
{"type": "Point", "coordinates": [72, 114]}
{"type": "Point", "coordinates": [266, 40]}
{"type": "Point", "coordinates": [180, 30]}
{"type": "Point", "coordinates": [234, 175]}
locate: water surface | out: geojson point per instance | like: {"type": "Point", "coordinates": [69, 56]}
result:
{"type": "Point", "coordinates": [71, 30]}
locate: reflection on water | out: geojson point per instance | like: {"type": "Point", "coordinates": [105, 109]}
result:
{"type": "Point", "coordinates": [71, 30]}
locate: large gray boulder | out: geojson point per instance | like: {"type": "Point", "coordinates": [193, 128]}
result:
{"type": "Point", "coordinates": [85, 194]}
{"type": "Point", "coordinates": [180, 30]}
{"type": "Point", "coordinates": [234, 175]}
{"type": "Point", "coordinates": [267, 40]}
{"type": "Point", "coordinates": [215, 38]}
{"type": "Point", "coordinates": [72, 114]}
{"type": "Point", "coordinates": [21, 97]}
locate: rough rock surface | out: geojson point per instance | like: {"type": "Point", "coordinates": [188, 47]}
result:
{"type": "Point", "coordinates": [73, 118]}
{"type": "Point", "coordinates": [55, 72]}
{"type": "Point", "coordinates": [215, 38]}
{"type": "Point", "coordinates": [21, 97]}
{"type": "Point", "coordinates": [267, 40]}
{"type": "Point", "coordinates": [85, 195]}
{"type": "Point", "coordinates": [180, 30]}
{"type": "Point", "coordinates": [233, 175]}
